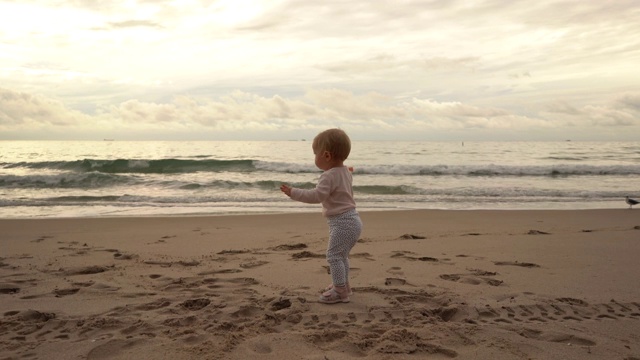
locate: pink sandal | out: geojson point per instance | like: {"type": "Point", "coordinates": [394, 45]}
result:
{"type": "Point", "coordinates": [333, 297]}
{"type": "Point", "coordinates": [349, 290]}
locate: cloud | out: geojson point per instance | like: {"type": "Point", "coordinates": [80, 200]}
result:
{"type": "Point", "coordinates": [621, 111]}
{"type": "Point", "coordinates": [19, 109]}
{"type": "Point", "coordinates": [277, 66]}
{"type": "Point", "coordinates": [317, 109]}
{"type": "Point", "coordinates": [134, 23]}
{"type": "Point", "coordinates": [562, 107]}
{"type": "Point", "coordinates": [603, 116]}
{"type": "Point", "coordinates": [387, 64]}
{"type": "Point", "coordinates": [630, 101]}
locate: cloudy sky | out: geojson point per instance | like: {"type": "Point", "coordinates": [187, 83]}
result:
{"type": "Point", "coordinates": [286, 69]}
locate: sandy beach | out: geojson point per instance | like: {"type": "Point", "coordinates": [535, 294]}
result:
{"type": "Point", "coordinates": [427, 284]}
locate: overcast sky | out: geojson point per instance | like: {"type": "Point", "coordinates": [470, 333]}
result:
{"type": "Point", "coordinates": [286, 69]}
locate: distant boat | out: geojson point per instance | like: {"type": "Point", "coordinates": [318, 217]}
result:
{"type": "Point", "coordinates": [108, 139]}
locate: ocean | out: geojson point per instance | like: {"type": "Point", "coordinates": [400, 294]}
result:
{"type": "Point", "coordinates": [44, 179]}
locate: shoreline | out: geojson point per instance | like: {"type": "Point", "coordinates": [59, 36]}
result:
{"type": "Point", "coordinates": [500, 284]}
{"type": "Point", "coordinates": [612, 207]}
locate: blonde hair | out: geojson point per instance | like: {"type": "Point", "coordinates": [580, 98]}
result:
{"type": "Point", "coordinates": [335, 141]}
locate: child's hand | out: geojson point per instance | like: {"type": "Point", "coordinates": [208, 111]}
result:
{"type": "Point", "coordinates": [286, 189]}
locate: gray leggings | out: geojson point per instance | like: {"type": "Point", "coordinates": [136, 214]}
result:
{"type": "Point", "coordinates": [344, 231]}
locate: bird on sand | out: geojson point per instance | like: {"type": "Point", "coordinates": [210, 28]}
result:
{"type": "Point", "coordinates": [631, 202]}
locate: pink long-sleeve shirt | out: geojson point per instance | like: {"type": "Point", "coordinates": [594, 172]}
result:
{"type": "Point", "coordinates": [333, 190]}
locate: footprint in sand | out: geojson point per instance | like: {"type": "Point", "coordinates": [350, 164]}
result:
{"type": "Point", "coordinates": [480, 272]}
{"type": "Point", "coordinates": [553, 336]}
{"type": "Point", "coordinates": [395, 281]}
{"type": "Point", "coordinates": [154, 305]}
{"type": "Point", "coordinates": [282, 303]}
{"type": "Point", "coordinates": [196, 304]}
{"type": "Point", "coordinates": [572, 301]}
{"type": "Point", "coordinates": [450, 277]}
{"type": "Point", "coordinates": [537, 232]}
{"type": "Point", "coordinates": [516, 263]}
{"type": "Point", "coordinates": [306, 255]}
{"type": "Point", "coordinates": [474, 257]}
{"type": "Point", "coordinates": [285, 247]}
{"type": "Point", "coordinates": [364, 255]}
{"type": "Point", "coordinates": [260, 347]}
{"type": "Point", "coordinates": [8, 288]}
{"type": "Point", "coordinates": [475, 277]}
{"type": "Point", "coordinates": [407, 255]}
{"type": "Point", "coordinates": [396, 270]}
{"type": "Point", "coordinates": [562, 309]}
{"type": "Point", "coordinates": [169, 264]}
{"type": "Point", "coordinates": [112, 348]}
{"type": "Point", "coordinates": [471, 280]}
{"type": "Point", "coordinates": [42, 238]}
{"type": "Point", "coordinates": [402, 254]}
{"type": "Point", "coordinates": [35, 316]}
{"type": "Point", "coordinates": [221, 271]}
{"type": "Point", "coordinates": [388, 339]}
{"type": "Point", "coordinates": [233, 252]}
{"type": "Point", "coordinates": [253, 264]}
{"type": "Point", "coordinates": [65, 292]}
{"type": "Point", "coordinates": [121, 256]}
{"type": "Point", "coordinates": [86, 270]}
{"type": "Point", "coordinates": [83, 283]}
{"type": "Point", "coordinates": [411, 237]}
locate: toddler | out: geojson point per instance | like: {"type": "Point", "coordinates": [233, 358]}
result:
{"type": "Point", "coordinates": [331, 148]}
